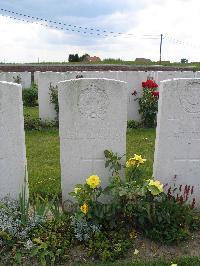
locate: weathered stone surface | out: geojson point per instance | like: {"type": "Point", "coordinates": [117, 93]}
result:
{"type": "Point", "coordinates": [12, 76]}
{"type": "Point", "coordinates": [12, 140]}
{"type": "Point", "coordinates": [177, 150]}
{"type": "Point", "coordinates": [93, 117]}
{"type": "Point", "coordinates": [134, 83]}
{"type": "Point", "coordinates": [166, 75]}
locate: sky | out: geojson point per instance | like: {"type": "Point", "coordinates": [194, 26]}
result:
{"type": "Point", "coordinates": [140, 22]}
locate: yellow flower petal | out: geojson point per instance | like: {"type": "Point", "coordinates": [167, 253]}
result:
{"type": "Point", "coordinates": [84, 208]}
{"type": "Point", "coordinates": [93, 181]}
{"type": "Point", "coordinates": [136, 251]}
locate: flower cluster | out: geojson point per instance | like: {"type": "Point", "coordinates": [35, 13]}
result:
{"type": "Point", "coordinates": [150, 84]}
{"type": "Point", "coordinates": [93, 181]}
{"type": "Point", "coordinates": [135, 161]}
{"type": "Point", "coordinates": [183, 196]}
{"type": "Point", "coordinates": [155, 187]}
{"type": "Point", "coordinates": [149, 103]}
{"type": "Point", "coordinates": [86, 192]}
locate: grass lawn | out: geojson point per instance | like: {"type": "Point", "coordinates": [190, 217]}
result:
{"type": "Point", "coordinates": [32, 111]}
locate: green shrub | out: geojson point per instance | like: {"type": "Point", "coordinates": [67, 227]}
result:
{"type": "Point", "coordinates": [163, 219]}
{"type": "Point", "coordinates": [149, 103]}
{"type": "Point", "coordinates": [133, 124]}
{"type": "Point", "coordinates": [109, 246]}
{"type": "Point", "coordinates": [30, 96]}
{"type": "Point", "coordinates": [53, 241]}
{"type": "Point", "coordinates": [134, 202]}
{"type": "Point", "coordinates": [54, 98]}
{"type": "Point", "coordinates": [37, 124]}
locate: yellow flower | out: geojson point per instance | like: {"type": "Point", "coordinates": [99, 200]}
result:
{"type": "Point", "coordinates": [77, 189]}
{"type": "Point", "coordinates": [84, 208]}
{"type": "Point", "coordinates": [93, 181]}
{"type": "Point", "coordinates": [136, 251]}
{"type": "Point", "coordinates": [139, 160]}
{"type": "Point", "coordinates": [174, 264]}
{"type": "Point", "coordinates": [156, 184]}
{"type": "Point", "coordinates": [130, 162]}
{"type": "Point", "coordinates": [136, 160]}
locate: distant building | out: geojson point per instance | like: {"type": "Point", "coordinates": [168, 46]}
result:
{"type": "Point", "coordinates": [92, 59]}
{"type": "Point", "coordinates": [142, 60]}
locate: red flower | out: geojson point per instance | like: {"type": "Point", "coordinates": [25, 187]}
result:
{"type": "Point", "coordinates": [150, 84]}
{"type": "Point", "coordinates": [155, 93]}
{"type": "Point", "coordinates": [143, 84]}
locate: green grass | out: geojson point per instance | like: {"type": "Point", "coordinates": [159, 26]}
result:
{"type": "Point", "coordinates": [32, 111]}
{"type": "Point", "coordinates": [44, 161]}
{"type": "Point", "coordinates": [141, 141]}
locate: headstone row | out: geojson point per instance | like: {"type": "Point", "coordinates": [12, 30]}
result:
{"type": "Point", "coordinates": [134, 80]}
{"type": "Point", "coordinates": [93, 116]}
{"type": "Point", "coordinates": [23, 78]}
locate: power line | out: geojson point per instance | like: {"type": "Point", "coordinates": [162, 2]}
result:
{"type": "Point", "coordinates": [174, 40]}
{"type": "Point", "coordinates": [74, 28]}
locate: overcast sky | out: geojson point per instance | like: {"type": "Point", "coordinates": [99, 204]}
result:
{"type": "Point", "coordinates": [26, 42]}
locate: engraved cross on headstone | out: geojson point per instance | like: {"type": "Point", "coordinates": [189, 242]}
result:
{"type": "Point", "coordinates": [93, 159]}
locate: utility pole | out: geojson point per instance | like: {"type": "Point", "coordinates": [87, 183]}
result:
{"type": "Point", "coordinates": [161, 38]}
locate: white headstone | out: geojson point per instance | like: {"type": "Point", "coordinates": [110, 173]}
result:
{"type": "Point", "coordinates": [12, 141]}
{"type": "Point", "coordinates": [93, 118]}
{"type": "Point", "coordinates": [44, 79]}
{"type": "Point", "coordinates": [177, 150]}
{"type": "Point", "coordinates": [24, 78]}
{"type": "Point", "coordinates": [134, 81]}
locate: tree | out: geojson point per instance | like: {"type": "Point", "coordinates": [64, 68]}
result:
{"type": "Point", "coordinates": [76, 58]}
{"type": "Point", "coordinates": [71, 58]}
{"type": "Point", "coordinates": [184, 61]}
{"type": "Point", "coordinates": [83, 57]}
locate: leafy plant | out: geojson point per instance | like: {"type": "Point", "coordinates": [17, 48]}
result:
{"type": "Point", "coordinates": [38, 124]}
{"type": "Point", "coordinates": [30, 96]}
{"type": "Point", "coordinates": [109, 246]}
{"type": "Point", "coordinates": [54, 98]}
{"type": "Point", "coordinates": [23, 206]}
{"type": "Point", "coordinates": [113, 162]}
{"type": "Point", "coordinates": [163, 219]}
{"type": "Point", "coordinates": [149, 103]}
{"type": "Point", "coordinates": [133, 124]}
{"type": "Point", "coordinates": [53, 241]}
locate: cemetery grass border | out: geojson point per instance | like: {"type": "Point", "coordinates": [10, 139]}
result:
{"type": "Point", "coordinates": [33, 112]}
